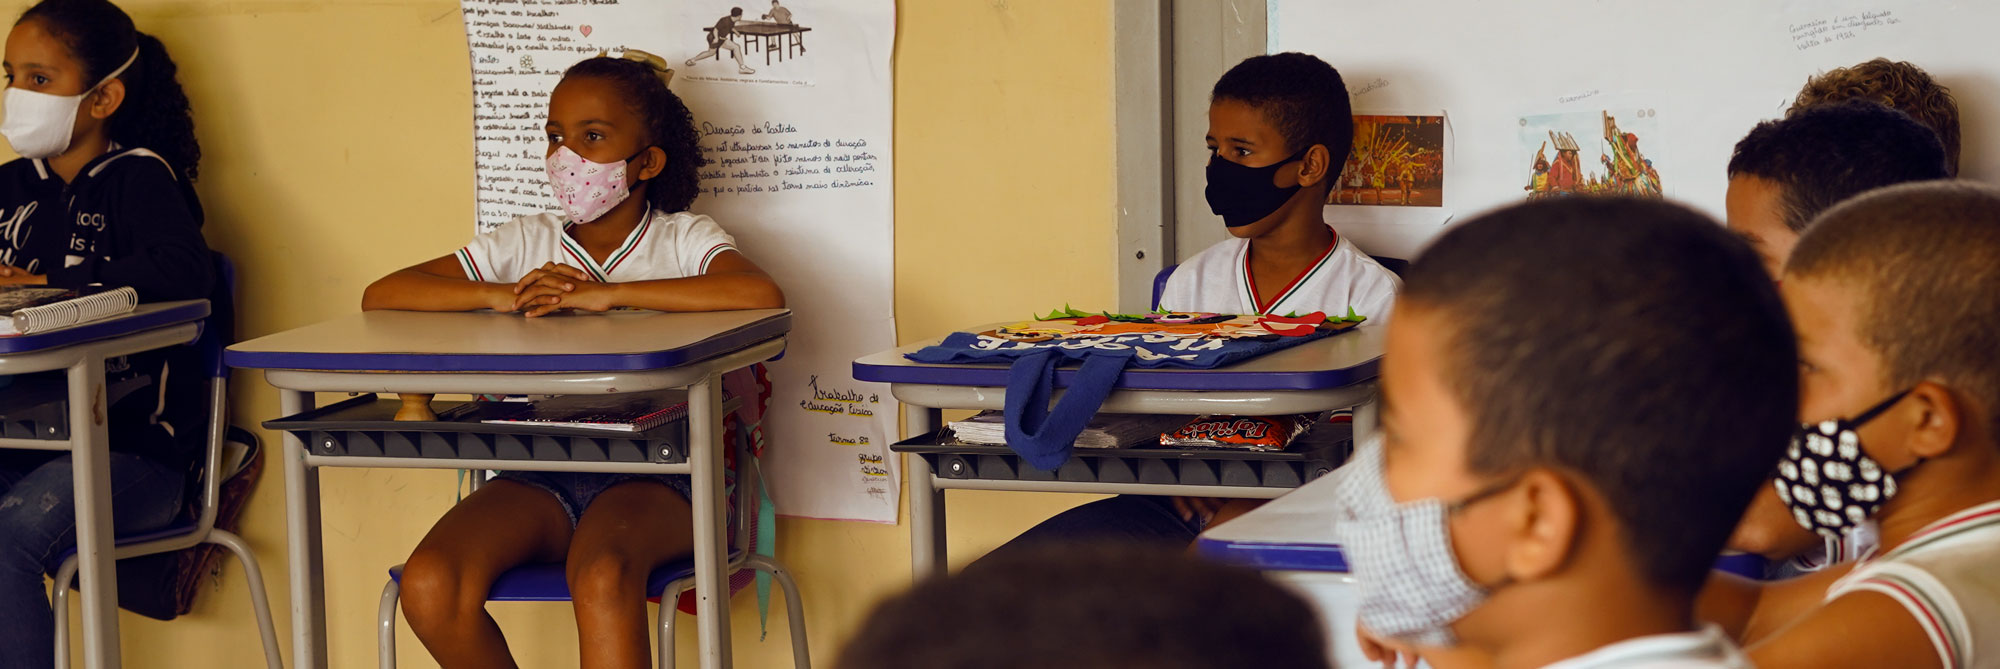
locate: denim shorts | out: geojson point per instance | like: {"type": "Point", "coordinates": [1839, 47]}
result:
{"type": "Point", "coordinates": [575, 490]}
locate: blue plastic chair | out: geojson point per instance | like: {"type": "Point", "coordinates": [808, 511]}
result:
{"type": "Point", "coordinates": [1394, 265]}
{"type": "Point", "coordinates": [201, 529]}
{"type": "Point", "coordinates": [548, 582]}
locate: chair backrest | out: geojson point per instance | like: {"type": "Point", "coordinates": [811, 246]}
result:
{"type": "Point", "coordinates": [216, 332]}
{"type": "Point", "coordinates": [1160, 283]}
{"type": "Point", "coordinates": [1394, 265]}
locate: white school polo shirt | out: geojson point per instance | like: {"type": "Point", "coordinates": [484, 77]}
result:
{"type": "Point", "coordinates": [1707, 648]}
{"type": "Point", "coordinates": [1945, 576]}
{"type": "Point", "coordinates": [1218, 280]}
{"type": "Point", "coordinates": [664, 246]}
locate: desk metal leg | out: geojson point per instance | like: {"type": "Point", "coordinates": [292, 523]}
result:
{"type": "Point", "coordinates": [711, 544]}
{"type": "Point", "coordinates": [927, 521]}
{"type": "Point", "coordinates": [302, 535]}
{"type": "Point", "coordinates": [89, 459]}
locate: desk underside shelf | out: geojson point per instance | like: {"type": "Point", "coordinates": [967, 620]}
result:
{"type": "Point", "coordinates": [366, 426]}
{"type": "Point", "coordinates": [1314, 454]}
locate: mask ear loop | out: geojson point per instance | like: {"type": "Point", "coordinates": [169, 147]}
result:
{"type": "Point", "coordinates": [1877, 410]}
{"type": "Point", "coordinates": [1481, 495]}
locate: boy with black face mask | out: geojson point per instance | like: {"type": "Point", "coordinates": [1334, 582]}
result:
{"type": "Point", "coordinates": [1279, 129]}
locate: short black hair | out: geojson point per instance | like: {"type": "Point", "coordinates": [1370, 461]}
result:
{"type": "Point", "coordinates": [1634, 345]}
{"type": "Point", "coordinates": [735, 11]}
{"type": "Point", "coordinates": [1823, 154]}
{"type": "Point", "coordinates": [1299, 94]}
{"type": "Point", "coordinates": [1090, 606]}
{"type": "Point", "coordinates": [669, 125]}
{"type": "Point", "coordinates": [1923, 260]}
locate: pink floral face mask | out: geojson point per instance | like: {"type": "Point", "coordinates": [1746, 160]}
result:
{"type": "Point", "coordinates": [586, 189]}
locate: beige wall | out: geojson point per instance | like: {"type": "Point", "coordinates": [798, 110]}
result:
{"type": "Point", "coordinates": [338, 142]}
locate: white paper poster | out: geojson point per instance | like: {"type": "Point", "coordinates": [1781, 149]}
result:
{"type": "Point", "coordinates": [794, 112]}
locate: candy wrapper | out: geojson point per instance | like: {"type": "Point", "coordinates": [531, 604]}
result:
{"type": "Point", "coordinates": [1250, 433]}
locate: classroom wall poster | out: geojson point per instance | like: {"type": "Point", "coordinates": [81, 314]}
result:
{"type": "Point", "coordinates": [794, 112]}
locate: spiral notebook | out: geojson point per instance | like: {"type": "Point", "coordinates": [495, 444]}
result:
{"type": "Point", "coordinates": [32, 309]}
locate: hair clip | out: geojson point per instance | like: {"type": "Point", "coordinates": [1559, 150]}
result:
{"type": "Point", "coordinates": [656, 63]}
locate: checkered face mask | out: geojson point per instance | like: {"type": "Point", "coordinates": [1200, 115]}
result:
{"type": "Point", "coordinates": [1412, 588]}
{"type": "Point", "coordinates": [1828, 481]}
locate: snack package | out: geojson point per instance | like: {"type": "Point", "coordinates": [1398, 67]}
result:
{"type": "Point", "coordinates": [1250, 433]}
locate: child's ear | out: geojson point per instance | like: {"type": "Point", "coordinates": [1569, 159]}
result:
{"type": "Point", "coordinates": [1545, 529]}
{"type": "Point", "coordinates": [1318, 160]}
{"type": "Point", "coordinates": [654, 161]}
{"type": "Point", "coordinates": [1937, 428]}
{"type": "Point", "coordinates": [106, 99]}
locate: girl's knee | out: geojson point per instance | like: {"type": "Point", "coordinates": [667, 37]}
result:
{"type": "Point", "coordinates": [605, 573]}
{"type": "Point", "coordinates": [435, 591]}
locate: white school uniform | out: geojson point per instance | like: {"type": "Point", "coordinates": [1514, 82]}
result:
{"type": "Point", "coordinates": [663, 246]}
{"type": "Point", "coordinates": [1218, 280]}
{"type": "Point", "coordinates": [1944, 576]}
{"type": "Point", "coordinates": [1707, 648]}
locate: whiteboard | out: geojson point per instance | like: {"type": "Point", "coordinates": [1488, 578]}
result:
{"type": "Point", "coordinates": [1708, 70]}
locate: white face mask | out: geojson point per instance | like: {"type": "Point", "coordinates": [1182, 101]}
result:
{"type": "Point", "coordinates": [38, 124]}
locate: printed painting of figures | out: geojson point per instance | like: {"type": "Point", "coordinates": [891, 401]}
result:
{"type": "Point", "coordinates": [1397, 161]}
{"type": "Point", "coordinates": [1590, 153]}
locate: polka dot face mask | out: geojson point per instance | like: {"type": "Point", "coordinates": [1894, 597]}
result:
{"type": "Point", "coordinates": [1828, 482]}
{"type": "Point", "coordinates": [586, 189]}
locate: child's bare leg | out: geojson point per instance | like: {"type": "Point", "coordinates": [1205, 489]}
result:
{"type": "Point", "coordinates": [502, 525]}
{"type": "Point", "coordinates": [628, 530]}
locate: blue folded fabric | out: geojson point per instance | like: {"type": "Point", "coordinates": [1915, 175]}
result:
{"type": "Point", "coordinates": [1043, 435]}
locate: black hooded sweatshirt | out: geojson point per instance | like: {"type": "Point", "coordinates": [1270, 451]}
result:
{"type": "Point", "coordinates": [127, 220]}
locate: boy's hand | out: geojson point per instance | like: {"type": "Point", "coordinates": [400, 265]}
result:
{"type": "Point", "coordinates": [1384, 651]}
{"type": "Point", "coordinates": [586, 296]}
{"type": "Point", "coordinates": [1202, 508]}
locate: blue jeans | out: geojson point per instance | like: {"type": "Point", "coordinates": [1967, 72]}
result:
{"type": "Point", "coordinates": [1131, 519]}
{"type": "Point", "coordinates": [38, 526]}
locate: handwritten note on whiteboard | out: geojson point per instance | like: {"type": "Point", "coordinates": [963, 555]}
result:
{"type": "Point", "coordinates": [793, 109]}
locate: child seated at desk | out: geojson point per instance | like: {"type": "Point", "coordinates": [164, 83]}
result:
{"type": "Point", "coordinates": [1896, 297]}
{"type": "Point", "coordinates": [100, 195]}
{"type": "Point", "coordinates": [1098, 606]}
{"type": "Point", "coordinates": [622, 161]}
{"type": "Point", "coordinates": [1782, 175]}
{"type": "Point", "coordinates": [1579, 397]}
{"type": "Point", "coordinates": [1279, 128]}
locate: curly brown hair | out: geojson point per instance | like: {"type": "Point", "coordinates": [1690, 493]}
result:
{"type": "Point", "coordinates": [1897, 84]}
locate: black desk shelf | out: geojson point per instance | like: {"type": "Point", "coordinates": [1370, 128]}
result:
{"type": "Point", "coordinates": [1311, 456]}
{"type": "Point", "coordinates": [365, 426]}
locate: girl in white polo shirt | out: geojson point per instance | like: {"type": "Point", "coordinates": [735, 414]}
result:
{"type": "Point", "coordinates": [622, 161]}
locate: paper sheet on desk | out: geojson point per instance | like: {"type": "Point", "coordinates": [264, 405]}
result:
{"type": "Point", "coordinates": [798, 171]}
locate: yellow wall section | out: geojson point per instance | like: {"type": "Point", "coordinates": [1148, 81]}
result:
{"type": "Point", "coordinates": [338, 147]}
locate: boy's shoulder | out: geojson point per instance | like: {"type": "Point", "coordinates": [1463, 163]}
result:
{"type": "Point", "coordinates": [1943, 576]}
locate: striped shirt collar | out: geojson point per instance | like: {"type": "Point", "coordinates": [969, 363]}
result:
{"type": "Point", "coordinates": [1971, 519]}
{"type": "Point", "coordinates": [1304, 278]}
{"type": "Point", "coordinates": [602, 272]}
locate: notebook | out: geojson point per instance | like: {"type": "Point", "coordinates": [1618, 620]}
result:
{"type": "Point", "coordinates": [32, 309]}
{"type": "Point", "coordinates": [625, 412]}
{"type": "Point", "coordinates": [1106, 430]}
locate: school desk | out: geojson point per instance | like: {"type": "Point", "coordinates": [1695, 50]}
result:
{"type": "Point", "coordinates": [783, 38]}
{"type": "Point", "coordinates": [1291, 539]}
{"type": "Point", "coordinates": [1332, 373]}
{"type": "Point", "coordinates": [501, 353]}
{"type": "Point", "coordinates": [81, 350]}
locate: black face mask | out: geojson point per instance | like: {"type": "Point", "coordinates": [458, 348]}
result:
{"type": "Point", "coordinates": [1243, 195]}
